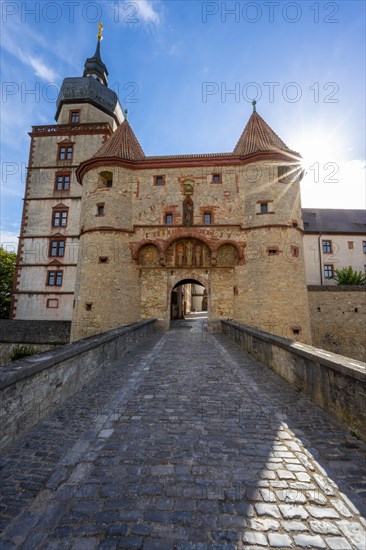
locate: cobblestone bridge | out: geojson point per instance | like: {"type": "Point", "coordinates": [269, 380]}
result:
{"type": "Point", "coordinates": [188, 443]}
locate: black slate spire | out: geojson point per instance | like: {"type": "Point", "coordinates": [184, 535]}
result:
{"type": "Point", "coordinates": [94, 66]}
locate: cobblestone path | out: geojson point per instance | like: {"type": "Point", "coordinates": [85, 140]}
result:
{"type": "Point", "coordinates": [187, 443]}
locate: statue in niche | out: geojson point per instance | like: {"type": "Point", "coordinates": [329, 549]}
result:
{"type": "Point", "coordinates": [197, 255]}
{"type": "Point", "coordinates": [180, 253]}
{"type": "Point", "coordinates": [188, 211]}
{"type": "Point", "coordinates": [189, 255]}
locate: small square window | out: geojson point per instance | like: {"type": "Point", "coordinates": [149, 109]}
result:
{"type": "Point", "coordinates": [62, 182]}
{"type": "Point", "coordinates": [264, 207]}
{"type": "Point", "coordinates": [159, 180]}
{"type": "Point", "coordinates": [100, 210]}
{"type": "Point", "coordinates": [65, 152]}
{"type": "Point", "coordinates": [350, 245]}
{"type": "Point", "coordinates": [54, 278]}
{"type": "Point", "coordinates": [207, 218]}
{"type": "Point", "coordinates": [272, 251]}
{"type": "Point", "coordinates": [327, 247]}
{"type": "Point", "coordinates": [89, 306]}
{"type": "Point", "coordinates": [57, 248]}
{"type": "Point", "coordinates": [169, 219]}
{"type": "Point", "coordinates": [59, 218]}
{"type": "Point", "coordinates": [52, 303]}
{"type": "Point", "coordinates": [74, 117]}
{"type": "Point", "coordinates": [328, 271]}
{"type": "Point", "coordinates": [103, 259]}
{"type": "Point", "coordinates": [216, 178]}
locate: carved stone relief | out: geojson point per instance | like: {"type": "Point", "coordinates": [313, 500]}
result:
{"type": "Point", "coordinates": [189, 253]}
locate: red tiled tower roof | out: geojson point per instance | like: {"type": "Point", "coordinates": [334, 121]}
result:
{"type": "Point", "coordinates": [258, 136]}
{"type": "Point", "coordinates": [122, 144]}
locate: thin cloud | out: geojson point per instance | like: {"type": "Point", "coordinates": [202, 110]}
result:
{"type": "Point", "coordinates": [14, 44]}
{"type": "Point", "coordinates": [141, 12]}
{"type": "Point", "coordinates": [37, 64]}
{"type": "Point", "coordinates": [147, 12]}
{"type": "Point", "coordinates": [41, 69]}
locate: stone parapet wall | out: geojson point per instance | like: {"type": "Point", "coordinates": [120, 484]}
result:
{"type": "Point", "coordinates": [34, 331]}
{"type": "Point", "coordinates": [335, 383]}
{"type": "Point", "coordinates": [32, 388]}
{"type": "Point", "coordinates": [338, 319]}
{"type": "Point", "coordinates": [7, 350]}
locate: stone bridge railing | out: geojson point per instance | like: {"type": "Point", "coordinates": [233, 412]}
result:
{"type": "Point", "coordinates": [335, 383]}
{"type": "Point", "coordinates": [32, 388]}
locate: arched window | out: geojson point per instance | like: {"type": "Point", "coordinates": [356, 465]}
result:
{"type": "Point", "coordinates": [105, 179]}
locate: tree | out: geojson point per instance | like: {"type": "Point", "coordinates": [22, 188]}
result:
{"type": "Point", "coordinates": [347, 276]}
{"type": "Point", "coordinates": [7, 272]}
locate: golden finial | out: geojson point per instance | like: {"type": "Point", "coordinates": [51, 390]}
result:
{"type": "Point", "coordinates": [100, 30]}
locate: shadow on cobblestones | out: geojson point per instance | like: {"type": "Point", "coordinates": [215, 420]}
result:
{"type": "Point", "coordinates": [187, 443]}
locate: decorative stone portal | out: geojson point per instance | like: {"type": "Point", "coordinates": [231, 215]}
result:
{"type": "Point", "coordinates": [186, 276]}
{"type": "Point", "coordinates": [188, 296]}
{"type": "Point", "coordinates": [188, 253]}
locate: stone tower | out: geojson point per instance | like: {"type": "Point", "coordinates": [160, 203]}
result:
{"type": "Point", "coordinates": [230, 222]}
{"type": "Point", "coordinates": [107, 292]}
{"type": "Point", "coordinates": [87, 114]}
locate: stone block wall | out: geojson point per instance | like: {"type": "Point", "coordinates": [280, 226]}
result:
{"type": "Point", "coordinates": [34, 332]}
{"type": "Point", "coordinates": [335, 383]}
{"type": "Point", "coordinates": [32, 388]}
{"type": "Point", "coordinates": [338, 319]}
{"type": "Point", "coordinates": [42, 335]}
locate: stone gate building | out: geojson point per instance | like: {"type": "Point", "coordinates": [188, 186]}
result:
{"type": "Point", "coordinates": [109, 233]}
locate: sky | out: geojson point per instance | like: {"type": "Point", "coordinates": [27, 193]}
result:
{"type": "Point", "coordinates": [187, 71]}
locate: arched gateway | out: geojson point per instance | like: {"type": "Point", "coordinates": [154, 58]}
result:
{"type": "Point", "coordinates": [188, 296]}
{"type": "Point", "coordinates": [175, 279]}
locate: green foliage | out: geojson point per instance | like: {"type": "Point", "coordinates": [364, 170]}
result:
{"type": "Point", "coordinates": [347, 276]}
{"type": "Point", "coordinates": [7, 272]}
{"type": "Point", "coordinates": [22, 351]}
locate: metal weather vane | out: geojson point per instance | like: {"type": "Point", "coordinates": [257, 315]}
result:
{"type": "Point", "coordinates": [100, 31]}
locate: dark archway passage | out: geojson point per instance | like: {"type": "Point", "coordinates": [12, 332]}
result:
{"type": "Point", "coordinates": [188, 297]}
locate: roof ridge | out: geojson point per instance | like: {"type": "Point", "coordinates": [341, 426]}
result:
{"type": "Point", "coordinates": [189, 155]}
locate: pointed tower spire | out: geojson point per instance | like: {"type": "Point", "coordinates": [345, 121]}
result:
{"type": "Point", "coordinates": [94, 65]}
{"type": "Point", "coordinates": [258, 136]}
{"type": "Point", "coordinates": [122, 144]}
